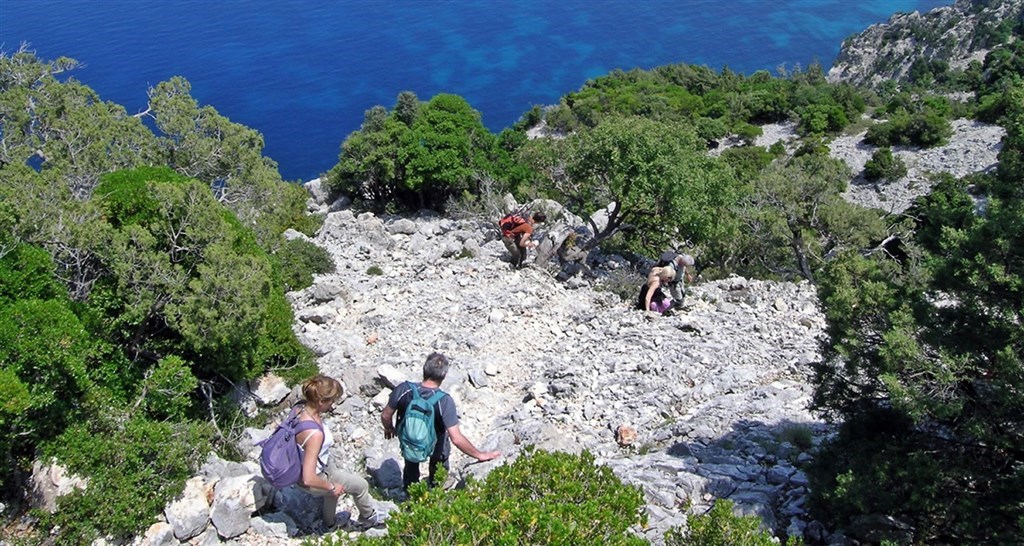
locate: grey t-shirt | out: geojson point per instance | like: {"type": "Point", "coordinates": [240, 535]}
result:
{"type": "Point", "coordinates": [445, 413]}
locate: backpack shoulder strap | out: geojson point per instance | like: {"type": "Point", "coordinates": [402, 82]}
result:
{"type": "Point", "coordinates": [308, 425]}
{"type": "Point", "coordinates": [303, 426]}
{"type": "Point", "coordinates": [415, 389]}
{"type": "Point", "coordinates": [436, 397]}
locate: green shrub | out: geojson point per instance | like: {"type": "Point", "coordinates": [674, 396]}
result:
{"type": "Point", "coordinates": [747, 161]}
{"type": "Point", "coordinates": [748, 132]}
{"type": "Point", "coordinates": [374, 270]}
{"type": "Point", "coordinates": [187, 277]}
{"type": "Point", "coordinates": [299, 260]}
{"type": "Point", "coordinates": [883, 165]}
{"type": "Point", "coordinates": [135, 467]}
{"type": "Point", "coordinates": [308, 224]}
{"type": "Point", "coordinates": [540, 498]}
{"type": "Point", "coordinates": [925, 129]}
{"type": "Point", "coordinates": [721, 527]}
{"type": "Point", "coordinates": [43, 373]}
{"type": "Point", "coordinates": [624, 283]}
{"type": "Point", "coordinates": [169, 388]}
{"type": "Point", "coordinates": [278, 348]}
{"type": "Point", "coordinates": [881, 134]}
{"type": "Point", "coordinates": [823, 118]}
{"type": "Point", "coordinates": [127, 200]}
{"type": "Point", "coordinates": [562, 119]}
{"type": "Point", "coordinates": [798, 435]}
{"type": "Point", "coordinates": [26, 272]}
{"type": "Point", "coordinates": [815, 145]}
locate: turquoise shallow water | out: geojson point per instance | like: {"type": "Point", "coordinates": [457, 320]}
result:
{"type": "Point", "coordinates": [303, 72]}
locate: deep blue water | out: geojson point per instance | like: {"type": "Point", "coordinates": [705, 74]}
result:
{"type": "Point", "coordinates": [303, 72]}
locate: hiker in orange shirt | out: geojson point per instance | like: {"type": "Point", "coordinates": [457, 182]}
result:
{"type": "Point", "coordinates": [515, 233]}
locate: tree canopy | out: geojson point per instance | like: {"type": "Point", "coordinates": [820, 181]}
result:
{"type": "Point", "coordinates": [925, 366]}
{"type": "Point", "coordinates": [141, 275]}
{"type": "Point", "coordinates": [654, 179]}
{"type": "Point", "coordinates": [418, 155]}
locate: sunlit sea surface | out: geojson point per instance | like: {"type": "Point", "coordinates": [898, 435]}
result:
{"type": "Point", "coordinates": [303, 72]}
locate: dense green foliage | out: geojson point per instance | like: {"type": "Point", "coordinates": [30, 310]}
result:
{"type": "Point", "coordinates": [926, 126]}
{"type": "Point", "coordinates": [418, 155]}
{"type": "Point", "coordinates": [188, 277]}
{"type": "Point", "coordinates": [43, 352]}
{"type": "Point", "coordinates": [716, 103]}
{"type": "Point", "coordinates": [540, 498]}
{"type": "Point", "coordinates": [141, 273]}
{"type": "Point", "coordinates": [545, 498]}
{"type": "Point", "coordinates": [794, 217]}
{"type": "Point", "coordinates": [721, 527]}
{"type": "Point", "coordinates": [299, 260]}
{"type": "Point", "coordinates": [924, 366]}
{"type": "Point", "coordinates": [660, 184]}
{"type": "Point", "coordinates": [135, 465]}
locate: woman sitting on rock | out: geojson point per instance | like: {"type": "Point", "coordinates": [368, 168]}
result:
{"type": "Point", "coordinates": [319, 477]}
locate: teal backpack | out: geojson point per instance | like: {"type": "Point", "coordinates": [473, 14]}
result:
{"type": "Point", "coordinates": [416, 433]}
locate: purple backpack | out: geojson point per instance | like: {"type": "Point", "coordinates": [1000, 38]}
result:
{"type": "Point", "coordinates": [280, 460]}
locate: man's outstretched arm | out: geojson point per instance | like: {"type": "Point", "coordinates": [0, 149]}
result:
{"type": "Point", "coordinates": [467, 447]}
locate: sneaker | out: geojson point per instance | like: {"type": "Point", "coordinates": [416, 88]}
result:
{"type": "Point", "coordinates": [376, 519]}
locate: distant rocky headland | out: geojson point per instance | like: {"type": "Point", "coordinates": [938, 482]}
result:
{"type": "Point", "coordinates": [957, 35]}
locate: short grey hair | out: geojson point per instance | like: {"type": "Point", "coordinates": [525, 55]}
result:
{"type": "Point", "coordinates": [436, 367]}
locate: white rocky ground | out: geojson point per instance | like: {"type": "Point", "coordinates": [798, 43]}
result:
{"type": "Point", "coordinates": [690, 408]}
{"type": "Point", "coordinates": [711, 403]}
{"type": "Point", "coordinates": [973, 147]}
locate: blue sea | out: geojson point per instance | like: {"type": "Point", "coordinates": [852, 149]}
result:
{"type": "Point", "coordinates": [304, 72]}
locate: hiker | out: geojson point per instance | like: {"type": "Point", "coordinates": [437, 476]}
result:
{"type": "Point", "coordinates": [652, 298]}
{"type": "Point", "coordinates": [683, 265]}
{"type": "Point", "coordinates": [668, 272]}
{"type": "Point", "coordinates": [446, 421]}
{"type": "Point", "coordinates": [515, 233]}
{"type": "Point", "coordinates": [319, 477]}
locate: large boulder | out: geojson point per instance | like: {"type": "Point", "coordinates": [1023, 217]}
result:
{"type": "Point", "coordinates": [269, 389]}
{"type": "Point", "coordinates": [189, 515]}
{"type": "Point", "coordinates": [50, 482]}
{"type": "Point", "coordinates": [235, 500]}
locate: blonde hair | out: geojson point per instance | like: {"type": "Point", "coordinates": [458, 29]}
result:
{"type": "Point", "coordinates": [320, 388]}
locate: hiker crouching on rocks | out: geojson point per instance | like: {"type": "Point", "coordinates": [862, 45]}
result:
{"type": "Point", "coordinates": [683, 265]}
{"type": "Point", "coordinates": [319, 477]}
{"type": "Point", "coordinates": [668, 273]}
{"type": "Point", "coordinates": [652, 298]}
{"type": "Point", "coordinates": [445, 422]}
{"type": "Point", "coordinates": [516, 232]}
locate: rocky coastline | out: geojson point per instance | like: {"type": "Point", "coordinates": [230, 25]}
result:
{"type": "Point", "coordinates": [956, 34]}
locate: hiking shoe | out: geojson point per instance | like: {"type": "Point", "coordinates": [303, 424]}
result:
{"type": "Point", "coordinates": [376, 519]}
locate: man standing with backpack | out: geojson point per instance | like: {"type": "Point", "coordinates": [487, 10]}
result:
{"type": "Point", "coordinates": [427, 419]}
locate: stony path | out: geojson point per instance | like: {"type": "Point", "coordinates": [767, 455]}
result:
{"type": "Point", "coordinates": [710, 403]}
{"type": "Point", "coordinates": [537, 363]}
